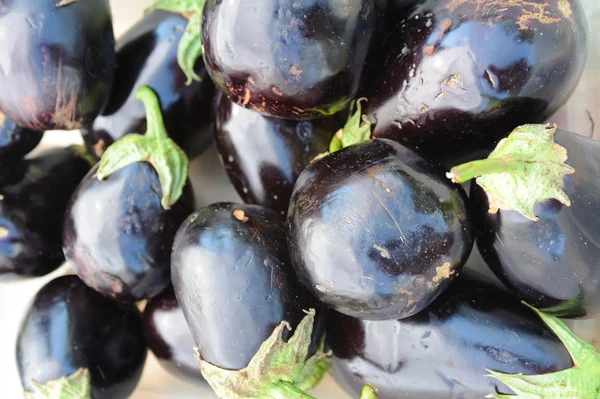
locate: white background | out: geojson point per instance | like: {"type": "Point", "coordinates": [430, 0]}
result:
{"type": "Point", "coordinates": [212, 185]}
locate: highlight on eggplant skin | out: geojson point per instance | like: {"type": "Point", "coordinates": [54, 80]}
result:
{"type": "Point", "coordinates": [456, 76]}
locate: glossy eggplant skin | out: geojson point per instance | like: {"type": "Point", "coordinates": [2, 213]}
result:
{"type": "Point", "coordinates": [15, 141]}
{"type": "Point", "coordinates": [70, 326]}
{"type": "Point", "coordinates": [235, 282]}
{"type": "Point", "coordinates": [554, 262]}
{"type": "Point", "coordinates": [264, 156]}
{"type": "Point", "coordinates": [57, 62]}
{"type": "Point", "coordinates": [289, 59]}
{"type": "Point", "coordinates": [444, 351]}
{"type": "Point", "coordinates": [147, 56]}
{"type": "Point", "coordinates": [34, 194]}
{"type": "Point", "coordinates": [169, 336]}
{"type": "Point", "coordinates": [376, 231]}
{"type": "Point", "coordinates": [458, 75]}
{"type": "Point", "coordinates": [118, 236]}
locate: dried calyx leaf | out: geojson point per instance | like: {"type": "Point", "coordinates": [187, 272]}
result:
{"type": "Point", "coordinates": [356, 130]}
{"type": "Point", "coordinates": [525, 168]}
{"type": "Point", "coordinates": [75, 386]}
{"type": "Point", "coordinates": [155, 147]}
{"type": "Point", "coordinates": [190, 45]}
{"type": "Point", "coordinates": [580, 381]}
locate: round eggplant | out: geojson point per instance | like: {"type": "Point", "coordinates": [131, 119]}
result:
{"type": "Point", "coordinates": [147, 55]}
{"type": "Point", "coordinates": [446, 350]}
{"type": "Point", "coordinates": [169, 336]}
{"type": "Point", "coordinates": [235, 283]}
{"type": "Point", "coordinates": [69, 326]}
{"type": "Point", "coordinates": [458, 75]}
{"type": "Point", "coordinates": [264, 156]}
{"type": "Point", "coordinates": [34, 194]}
{"type": "Point", "coordinates": [15, 141]}
{"type": "Point", "coordinates": [376, 231]}
{"type": "Point", "coordinates": [58, 62]}
{"type": "Point", "coordinates": [289, 59]}
{"type": "Point", "coordinates": [551, 263]}
{"type": "Point", "coordinates": [118, 236]}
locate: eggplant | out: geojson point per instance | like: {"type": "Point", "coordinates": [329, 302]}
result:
{"type": "Point", "coordinates": [551, 263]}
{"type": "Point", "coordinates": [446, 350]}
{"type": "Point", "coordinates": [289, 59]}
{"type": "Point", "coordinates": [69, 326]}
{"type": "Point", "coordinates": [376, 231]}
{"type": "Point", "coordinates": [264, 156]}
{"type": "Point", "coordinates": [57, 62]}
{"type": "Point", "coordinates": [169, 336]}
{"type": "Point", "coordinates": [456, 76]}
{"type": "Point", "coordinates": [147, 55]}
{"type": "Point", "coordinates": [34, 194]}
{"type": "Point", "coordinates": [15, 141]}
{"type": "Point", "coordinates": [117, 235]}
{"type": "Point", "coordinates": [235, 283]}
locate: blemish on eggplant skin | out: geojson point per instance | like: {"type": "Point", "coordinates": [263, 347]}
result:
{"type": "Point", "coordinates": [442, 272]}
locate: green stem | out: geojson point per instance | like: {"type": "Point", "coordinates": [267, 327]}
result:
{"type": "Point", "coordinates": [368, 392]}
{"type": "Point", "coordinates": [154, 120]}
{"type": "Point", "coordinates": [470, 170]}
{"type": "Point", "coordinates": [285, 390]}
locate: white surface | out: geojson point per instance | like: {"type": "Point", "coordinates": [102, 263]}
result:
{"type": "Point", "coordinates": [211, 185]}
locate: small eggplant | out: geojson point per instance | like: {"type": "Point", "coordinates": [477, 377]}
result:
{"type": "Point", "coordinates": [458, 75]}
{"type": "Point", "coordinates": [121, 222]}
{"type": "Point", "coordinates": [235, 283]}
{"type": "Point", "coordinates": [57, 62]}
{"type": "Point", "coordinates": [549, 257]}
{"type": "Point", "coordinates": [375, 232]}
{"type": "Point", "coordinates": [15, 141]}
{"type": "Point", "coordinates": [34, 194]}
{"type": "Point", "coordinates": [289, 59]}
{"type": "Point", "coordinates": [169, 336]}
{"type": "Point", "coordinates": [69, 327]}
{"type": "Point", "coordinates": [264, 156]}
{"type": "Point", "coordinates": [446, 350]}
{"type": "Point", "coordinates": [147, 55]}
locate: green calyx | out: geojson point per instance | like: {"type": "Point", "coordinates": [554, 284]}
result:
{"type": "Point", "coordinates": [368, 392]}
{"type": "Point", "coordinates": [356, 130]}
{"type": "Point", "coordinates": [525, 168]}
{"type": "Point", "coordinates": [155, 147]}
{"type": "Point", "coordinates": [75, 386]}
{"type": "Point", "coordinates": [579, 382]}
{"type": "Point", "coordinates": [190, 45]}
{"type": "Point", "coordinates": [82, 152]}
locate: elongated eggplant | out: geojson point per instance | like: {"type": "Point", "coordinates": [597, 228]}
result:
{"type": "Point", "coordinates": [289, 59]}
{"type": "Point", "coordinates": [169, 336]}
{"type": "Point", "coordinates": [458, 75]}
{"type": "Point", "coordinates": [70, 326]}
{"type": "Point", "coordinates": [122, 219]}
{"type": "Point", "coordinates": [57, 62]}
{"type": "Point", "coordinates": [445, 351]}
{"type": "Point", "coordinates": [375, 232]}
{"type": "Point", "coordinates": [34, 194]}
{"type": "Point", "coordinates": [264, 156]}
{"type": "Point", "coordinates": [551, 263]}
{"type": "Point", "coordinates": [147, 55]}
{"type": "Point", "coordinates": [235, 283]}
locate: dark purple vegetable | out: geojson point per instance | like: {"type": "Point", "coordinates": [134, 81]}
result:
{"type": "Point", "coordinates": [289, 59]}
{"type": "Point", "coordinates": [34, 194]}
{"type": "Point", "coordinates": [15, 141]}
{"type": "Point", "coordinates": [444, 351]}
{"type": "Point", "coordinates": [147, 55]}
{"type": "Point", "coordinates": [458, 75]}
{"type": "Point", "coordinates": [235, 283]}
{"type": "Point", "coordinates": [264, 156]}
{"type": "Point", "coordinates": [70, 326]}
{"type": "Point", "coordinates": [551, 263]}
{"type": "Point", "coordinates": [57, 62]}
{"type": "Point", "coordinates": [169, 336]}
{"type": "Point", "coordinates": [376, 231]}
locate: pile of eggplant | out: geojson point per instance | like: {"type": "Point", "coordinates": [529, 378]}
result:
{"type": "Point", "coordinates": [379, 147]}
